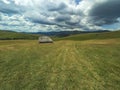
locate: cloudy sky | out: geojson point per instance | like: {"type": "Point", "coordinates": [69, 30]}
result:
{"type": "Point", "coordinates": [59, 15]}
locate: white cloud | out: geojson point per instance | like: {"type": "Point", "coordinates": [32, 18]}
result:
{"type": "Point", "coordinates": [47, 15]}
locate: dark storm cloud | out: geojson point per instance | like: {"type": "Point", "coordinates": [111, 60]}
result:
{"type": "Point", "coordinates": [62, 18]}
{"type": "Point", "coordinates": [53, 7]}
{"type": "Point", "coordinates": [62, 8]}
{"type": "Point", "coordinates": [77, 1]}
{"type": "Point", "coordinates": [106, 12]}
{"type": "Point", "coordinates": [72, 23]}
{"type": "Point", "coordinates": [70, 11]}
{"type": "Point", "coordinates": [10, 8]}
{"type": "Point", "coordinates": [4, 24]}
{"type": "Point", "coordinates": [8, 11]}
{"type": "Point", "coordinates": [0, 18]}
{"type": "Point", "coordinates": [41, 21]}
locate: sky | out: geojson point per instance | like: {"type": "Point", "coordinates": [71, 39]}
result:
{"type": "Point", "coordinates": [59, 15]}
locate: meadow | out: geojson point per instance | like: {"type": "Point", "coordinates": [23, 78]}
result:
{"type": "Point", "coordinates": [63, 65]}
{"type": "Point", "coordinates": [10, 35]}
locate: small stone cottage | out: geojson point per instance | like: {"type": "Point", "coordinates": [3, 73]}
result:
{"type": "Point", "coordinates": [45, 39]}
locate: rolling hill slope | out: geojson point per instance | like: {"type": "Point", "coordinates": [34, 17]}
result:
{"type": "Point", "coordinates": [106, 35]}
{"type": "Point", "coordinates": [8, 35]}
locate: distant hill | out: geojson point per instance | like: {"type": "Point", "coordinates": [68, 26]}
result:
{"type": "Point", "coordinates": [10, 35]}
{"type": "Point", "coordinates": [89, 36]}
{"type": "Point", "coordinates": [68, 33]}
{"type": "Point", "coordinates": [62, 35]}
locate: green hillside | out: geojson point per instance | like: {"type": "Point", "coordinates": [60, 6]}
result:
{"type": "Point", "coordinates": [7, 35]}
{"type": "Point", "coordinates": [106, 35]}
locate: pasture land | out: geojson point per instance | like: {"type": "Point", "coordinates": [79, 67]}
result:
{"type": "Point", "coordinates": [7, 35]}
{"type": "Point", "coordinates": [63, 65]}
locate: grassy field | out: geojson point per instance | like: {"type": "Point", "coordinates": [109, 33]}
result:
{"type": "Point", "coordinates": [91, 36]}
{"type": "Point", "coordinates": [7, 35]}
{"type": "Point", "coordinates": [63, 65]}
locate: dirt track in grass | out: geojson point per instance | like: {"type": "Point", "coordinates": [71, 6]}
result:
{"type": "Point", "coordinates": [63, 65]}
